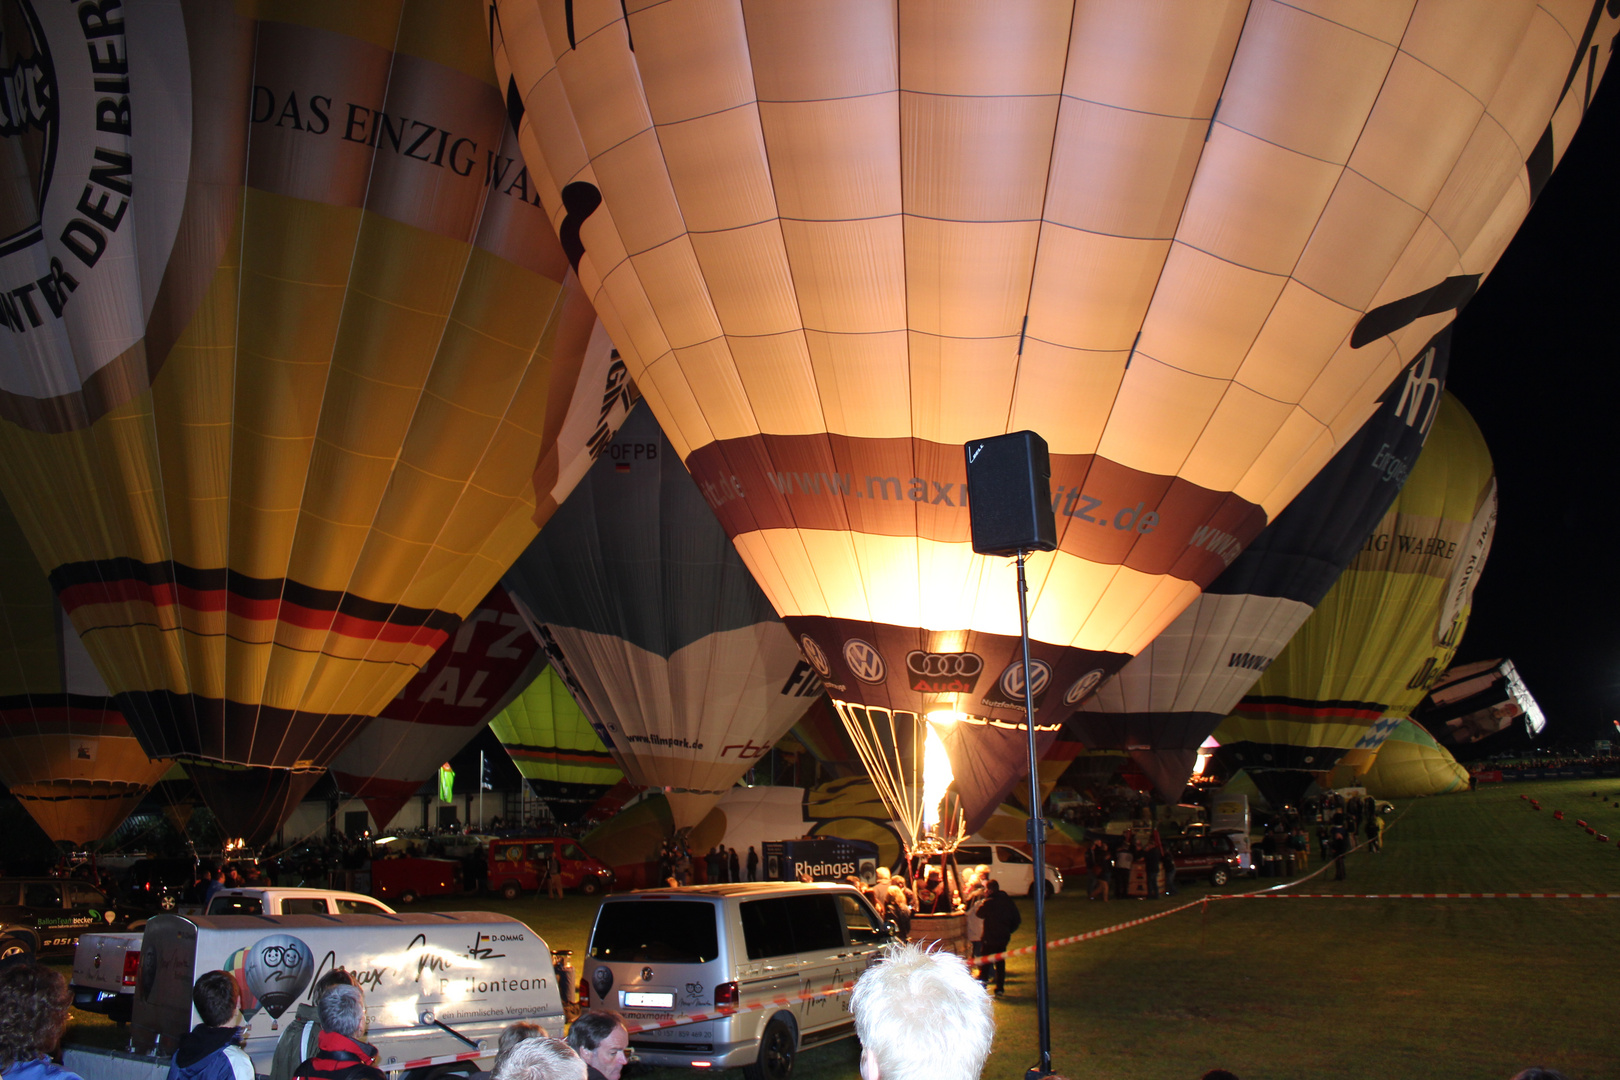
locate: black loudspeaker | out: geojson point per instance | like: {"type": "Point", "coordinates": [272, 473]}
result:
{"type": "Point", "coordinates": [1009, 479]}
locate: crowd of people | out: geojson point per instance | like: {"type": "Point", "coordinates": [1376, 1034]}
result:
{"type": "Point", "coordinates": [919, 1015]}
{"type": "Point", "coordinates": [677, 865]}
{"type": "Point", "coordinates": [1111, 861]}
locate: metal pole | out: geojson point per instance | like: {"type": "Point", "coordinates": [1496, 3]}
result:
{"type": "Point", "coordinates": [481, 775]}
{"type": "Point", "coordinates": [1037, 838]}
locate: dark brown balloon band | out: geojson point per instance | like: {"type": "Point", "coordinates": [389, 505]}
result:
{"type": "Point", "coordinates": [1106, 513]}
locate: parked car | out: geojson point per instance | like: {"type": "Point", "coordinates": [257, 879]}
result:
{"type": "Point", "coordinates": [517, 865]}
{"type": "Point", "coordinates": [160, 884]}
{"type": "Point", "coordinates": [410, 877]}
{"type": "Point", "coordinates": [1010, 868]}
{"type": "Point", "coordinates": [1214, 856]}
{"type": "Point", "coordinates": [106, 966]}
{"type": "Point", "coordinates": [60, 909]}
{"type": "Point", "coordinates": [662, 955]}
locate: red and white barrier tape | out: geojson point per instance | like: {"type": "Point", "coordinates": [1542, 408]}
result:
{"type": "Point", "coordinates": [443, 1059]}
{"type": "Point", "coordinates": [1426, 896]}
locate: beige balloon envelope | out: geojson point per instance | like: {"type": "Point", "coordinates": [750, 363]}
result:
{"type": "Point", "coordinates": [1188, 244]}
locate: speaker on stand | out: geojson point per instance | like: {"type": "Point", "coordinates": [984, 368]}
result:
{"type": "Point", "coordinates": [1009, 481]}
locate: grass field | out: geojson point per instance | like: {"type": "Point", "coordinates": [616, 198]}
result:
{"type": "Point", "coordinates": [1314, 987]}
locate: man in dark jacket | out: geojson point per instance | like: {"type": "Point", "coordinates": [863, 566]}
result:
{"type": "Point", "coordinates": [1001, 918]}
{"type": "Point", "coordinates": [600, 1039]}
{"type": "Point", "coordinates": [339, 1053]}
{"type": "Point", "coordinates": [212, 1050]}
{"type": "Point", "coordinates": [753, 864]}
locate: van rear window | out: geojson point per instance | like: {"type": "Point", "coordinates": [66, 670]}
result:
{"type": "Point", "coordinates": [656, 931]}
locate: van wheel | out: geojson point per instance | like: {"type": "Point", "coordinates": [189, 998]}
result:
{"type": "Point", "coordinates": [777, 1049]}
{"type": "Point", "coordinates": [510, 891]}
{"type": "Point", "coordinates": [167, 903]}
{"type": "Point", "coordinates": [408, 896]}
{"type": "Point", "coordinates": [589, 886]}
{"type": "Point", "coordinates": [1217, 878]}
{"type": "Point", "coordinates": [1031, 893]}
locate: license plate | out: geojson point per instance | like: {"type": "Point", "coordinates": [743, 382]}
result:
{"type": "Point", "coordinates": [637, 999]}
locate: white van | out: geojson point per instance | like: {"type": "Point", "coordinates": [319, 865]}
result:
{"type": "Point", "coordinates": [663, 954]}
{"type": "Point", "coordinates": [1010, 868]}
{"type": "Point", "coordinates": [439, 986]}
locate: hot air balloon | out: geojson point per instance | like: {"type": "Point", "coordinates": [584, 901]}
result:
{"type": "Point", "coordinates": [1391, 622]}
{"type": "Point", "coordinates": [1474, 701]}
{"type": "Point", "coordinates": [472, 677]}
{"type": "Point", "coordinates": [278, 969]}
{"type": "Point", "coordinates": [1188, 245]}
{"type": "Point", "coordinates": [1166, 702]}
{"type": "Point", "coordinates": [296, 351]}
{"type": "Point", "coordinates": [655, 626]}
{"type": "Point", "coordinates": [555, 747]}
{"type": "Point", "coordinates": [66, 752]}
{"type": "Point", "coordinates": [1410, 764]}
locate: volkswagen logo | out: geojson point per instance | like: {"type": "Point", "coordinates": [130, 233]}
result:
{"type": "Point", "coordinates": [943, 673]}
{"type": "Point", "coordinates": [812, 653]}
{"type": "Point", "coordinates": [1012, 679]}
{"type": "Point", "coordinates": [1084, 685]}
{"type": "Point", "coordinates": [864, 661]}
{"type": "Point", "coordinates": [646, 974]}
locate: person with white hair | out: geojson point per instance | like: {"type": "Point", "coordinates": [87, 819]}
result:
{"type": "Point", "coordinates": [921, 1015]}
{"type": "Point", "coordinates": [339, 1053]}
{"type": "Point", "coordinates": [541, 1059]}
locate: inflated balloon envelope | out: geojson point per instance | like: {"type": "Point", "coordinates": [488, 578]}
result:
{"type": "Point", "coordinates": [653, 623]}
{"type": "Point", "coordinates": [66, 753]}
{"type": "Point", "coordinates": [1189, 245]}
{"type": "Point", "coordinates": [484, 666]}
{"type": "Point", "coordinates": [291, 346]}
{"type": "Point", "coordinates": [1164, 703]}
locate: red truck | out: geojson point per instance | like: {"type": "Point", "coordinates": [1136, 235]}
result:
{"type": "Point", "coordinates": [518, 864]}
{"type": "Point", "coordinates": [407, 878]}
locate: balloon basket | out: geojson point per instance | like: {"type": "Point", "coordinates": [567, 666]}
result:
{"type": "Point", "coordinates": [948, 933]}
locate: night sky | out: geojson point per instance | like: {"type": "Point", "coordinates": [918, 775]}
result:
{"type": "Point", "coordinates": [1535, 361]}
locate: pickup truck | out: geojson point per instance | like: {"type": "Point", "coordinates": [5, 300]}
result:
{"type": "Point", "coordinates": [106, 966]}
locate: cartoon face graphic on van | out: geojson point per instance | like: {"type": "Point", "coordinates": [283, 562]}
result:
{"type": "Point", "coordinates": [279, 967]}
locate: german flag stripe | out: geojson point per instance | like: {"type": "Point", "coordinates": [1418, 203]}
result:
{"type": "Point", "coordinates": [1304, 709]}
{"type": "Point", "coordinates": [170, 584]}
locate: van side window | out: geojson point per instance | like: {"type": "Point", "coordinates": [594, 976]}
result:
{"type": "Point", "coordinates": [359, 907]}
{"type": "Point", "coordinates": [85, 896]}
{"type": "Point", "coordinates": [1012, 856]}
{"type": "Point", "coordinates": [303, 905]}
{"type": "Point", "coordinates": [45, 894]}
{"type": "Point", "coordinates": [863, 924]}
{"type": "Point", "coordinates": [783, 925]}
{"type": "Point", "coordinates": [569, 851]}
{"type": "Point", "coordinates": [236, 905]}
{"type": "Point", "coordinates": [970, 855]}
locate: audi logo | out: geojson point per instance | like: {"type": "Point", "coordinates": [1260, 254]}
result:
{"type": "Point", "coordinates": [1012, 679]}
{"type": "Point", "coordinates": [944, 665]}
{"type": "Point", "coordinates": [864, 661]}
{"type": "Point", "coordinates": [813, 654]}
{"type": "Point", "coordinates": [1084, 685]}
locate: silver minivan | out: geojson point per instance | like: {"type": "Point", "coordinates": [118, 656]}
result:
{"type": "Point", "coordinates": [667, 954]}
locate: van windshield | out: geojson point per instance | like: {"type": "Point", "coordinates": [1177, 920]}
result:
{"type": "Point", "coordinates": [656, 931]}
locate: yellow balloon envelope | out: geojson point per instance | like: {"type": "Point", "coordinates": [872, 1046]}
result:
{"type": "Point", "coordinates": [1410, 764]}
{"type": "Point", "coordinates": [1387, 628]}
{"type": "Point", "coordinates": [1188, 244]}
{"type": "Point", "coordinates": [301, 352]}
